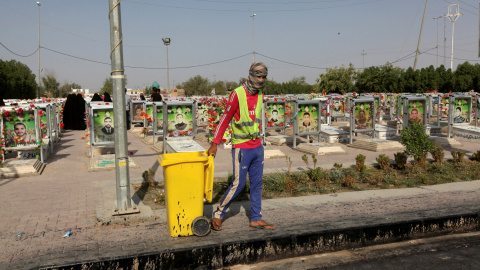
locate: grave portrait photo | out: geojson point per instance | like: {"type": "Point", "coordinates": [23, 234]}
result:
{"type": "Point", "coordinates": [337, 108]}
{"type": "Point", "coordinates": [364, 115]}
{"type": "Point", "coordinates": [159, 117]}
{"type": "Point", "coordinates": [461, 110]}
{"type": "Point", "coordinates": [275, 114]}
{"type": "Point", "coordinates": [103, 126]}
{"type": "Point", "coordinates": [416, 111]}
{"type": "Point", "coordinates": [308, 118]}
{"type": "Point", "coordinates": [19, 128]}
{"type": "Point", "coordinates": [180, 120]}
{"type": "Point", "coordinates": [137, 112]}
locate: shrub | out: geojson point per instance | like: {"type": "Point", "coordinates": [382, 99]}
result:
{"type": "Point", "coordinates": [289, 163]}
{"type": "Point", "coordinates": [476, 156]}
{"type": "Point", "coordinates": [360, 162]}
{"type": "Point", "coordinates": [316, 174]}
{"type": "Point", "coordinates": [336, 175]}
{"type": "Point", "coordinates": [348, 181]}
{"type": "Point", "coordinates": [383, 161]}
{"type": "Point", "coordinates": [401, 160]}
{"type": "Point", "coordinates": [457, 156]}
{"type": "Point", "coordinates": [338, 166]}
{"type": "Point", "coordinates": [314, 158]}
{"type": "Point", "coordinates": [416, 141]}
{"type": "Point", "coordinates": [437, 154]}
{"type": "Point", "coordinates": [149, 177]}
{"type": "Point", "coordinates": [305, 159]}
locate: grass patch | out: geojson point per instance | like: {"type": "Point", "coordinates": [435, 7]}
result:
{"type": "Point", "coordinates": [322, 181]}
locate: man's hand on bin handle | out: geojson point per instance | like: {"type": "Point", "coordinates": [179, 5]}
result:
{"type": "Point", "coordinates": [212, 150]}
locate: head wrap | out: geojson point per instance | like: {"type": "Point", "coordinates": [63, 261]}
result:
{"type": "Point", "coordinates": [253, 84]}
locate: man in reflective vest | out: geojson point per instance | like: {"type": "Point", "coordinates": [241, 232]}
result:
{"type": "Point", "coordinates": [245, 105]}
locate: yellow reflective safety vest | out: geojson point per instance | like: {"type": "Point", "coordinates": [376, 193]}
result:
{"type": "Point", "coordinates": [245, 129]}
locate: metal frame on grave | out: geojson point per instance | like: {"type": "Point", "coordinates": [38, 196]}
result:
{"type": "Point", "coordinates": [156, 131]}
{"type": "Point", "coordinates": [353, 102]}
{"type": "Point", "coordinates": [406, 107]}
{"type": "Point", "coordinates": [38, 137]}
{"type": "Point", "coordinates": [166, 132]}
{"type": "Point", "coordinates": [48, 110]}
{"type": "Point", "coordinates": [265, 121]}
{"type": "Point", "coordinates": [430, 97]}
{"type": "Point", "coordinates": [451, 111]}
{"type": "Point", "coordinates": [296, 132]}
{"type": "Point", "coordinates": [92, 108]}
{"type": "Point", "coordinates": [133, 106]}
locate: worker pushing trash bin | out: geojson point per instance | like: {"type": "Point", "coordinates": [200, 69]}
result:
{"type": "Point", "coordinates": [188, 180]}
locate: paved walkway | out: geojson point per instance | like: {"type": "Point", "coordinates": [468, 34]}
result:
{"type": "Point", "coordinates": [43, 208]}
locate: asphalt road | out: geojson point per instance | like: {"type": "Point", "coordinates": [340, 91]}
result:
{"type": "Point", "coordinates": [455, 251]}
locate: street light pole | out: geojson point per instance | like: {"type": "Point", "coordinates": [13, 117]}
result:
{"type": "Point", "coordinates": [253, 21]}
{"type": "Point", "coordinates": [166, 41]}
{"type": "Point", "coordinates": [437, 36]}
{"type": "Point", "coordinates": [453, 18]}
{"type": "Point", "coordinates": [38, 3]}
{"type": "Point", "coordinates": [420, 37]}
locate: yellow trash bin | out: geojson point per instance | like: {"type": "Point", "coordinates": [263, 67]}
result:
{"type": "Point", "coordinates": [188, 180]}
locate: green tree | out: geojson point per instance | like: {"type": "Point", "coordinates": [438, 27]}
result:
{"type": "Point", "coordinates": [108, 85]}
{"type": "Point", "coordinates": [197, 86]}
{"type": "Point", "coordinates": [66, 89]}
{"type": "Point", "coordinates": [50, 85]}
{"type": "Point", "coordinates": [231, 86]}
{"type": "Point", "coordinates": [220, 88]}
{"type": "Point", "coordinates": [464, 77]}
{"type": "Point", "coordinates": [337, 80]}
{"type": "Point", "coordinates": [17, 80]}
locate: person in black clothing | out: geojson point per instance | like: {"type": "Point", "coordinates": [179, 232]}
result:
{"type": "Point", "coordinates": [107, 98]}
{"type": "Point", "coordinates": [156, 94]}
{"type": "Point", "coordinates": [96, 97]}
{"type": "Point", "coordinates": [142, 97]}
{"type": "Point", "coordinates": [68, 112]}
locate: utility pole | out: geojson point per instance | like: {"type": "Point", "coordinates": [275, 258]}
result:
{"type": "Point", "coordinates": [253, 21]}
{"type": "Point", "coordinates": [453, 18]}
{"type": "Point", "coordinates": [124, 204]}
{"type": "Point", "coordinates": [437, 37]}
{"type": "Point", "coordinates": [444, 38]}
{"type": "Point", "coordinates": [363, 65]}
{"type": "Point", "coordinates": [420, 37]}
{"type": "Point", "coordinates": [38, 4]}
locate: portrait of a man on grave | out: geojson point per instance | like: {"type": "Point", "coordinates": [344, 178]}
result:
{"type": "Point", "coordinates": [363, 115]}
{"type": "Point", "coordinates": [18, 130]}
{"type": "Point", "coordinates": [461, 108]}
{"type": "Point", "coordinates": [435, 105]}
{"type": "Point", "coordinates": [137, 110]}
{"type": "Point", "coordinates": [159, 117]}
{"type": "Point", "coordinates": [337, 108]}
{"type": "Point", "coordinates": [179, 119]}
{"type": "Point", "coordinates": [416, 110]}
{"type": "Point", "coordinates": [103, 125]}
{"type": "Point", "coordinates": [274, 114]}
{"type": "Point", "coordinates": [149, 118]}
{"type": "Point", "coordinates": [308, 118]}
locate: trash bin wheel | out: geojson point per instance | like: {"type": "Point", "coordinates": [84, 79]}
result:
{"type": "Point", "coordinates": [201, 226]}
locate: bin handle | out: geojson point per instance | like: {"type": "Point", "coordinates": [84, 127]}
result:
{"type": "Point", "coordinates": [209, 170]}
{"type": "Point", "coordinates": [168, 162]}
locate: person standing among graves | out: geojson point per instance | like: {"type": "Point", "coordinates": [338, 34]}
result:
{"type": "Point", "coordinates": [156, 92]}
{"type": "Point", "coordinates": [128, 103]}
{"type": "Point", "coordinates": [245, 105]}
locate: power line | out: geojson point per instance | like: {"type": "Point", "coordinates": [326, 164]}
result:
{"type": "Point", "coordinates": [17, 53]}
{"type": "Point", "coordinates": [249, 10]}
{"type": "Point", "coordinates": [288, 62]}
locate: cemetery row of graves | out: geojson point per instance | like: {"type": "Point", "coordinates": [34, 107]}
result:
{"type": "Point", "coordinates": [32, 128]}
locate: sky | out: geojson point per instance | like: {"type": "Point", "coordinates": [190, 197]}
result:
{"type": "Point", "coordinates": [216, 38]}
